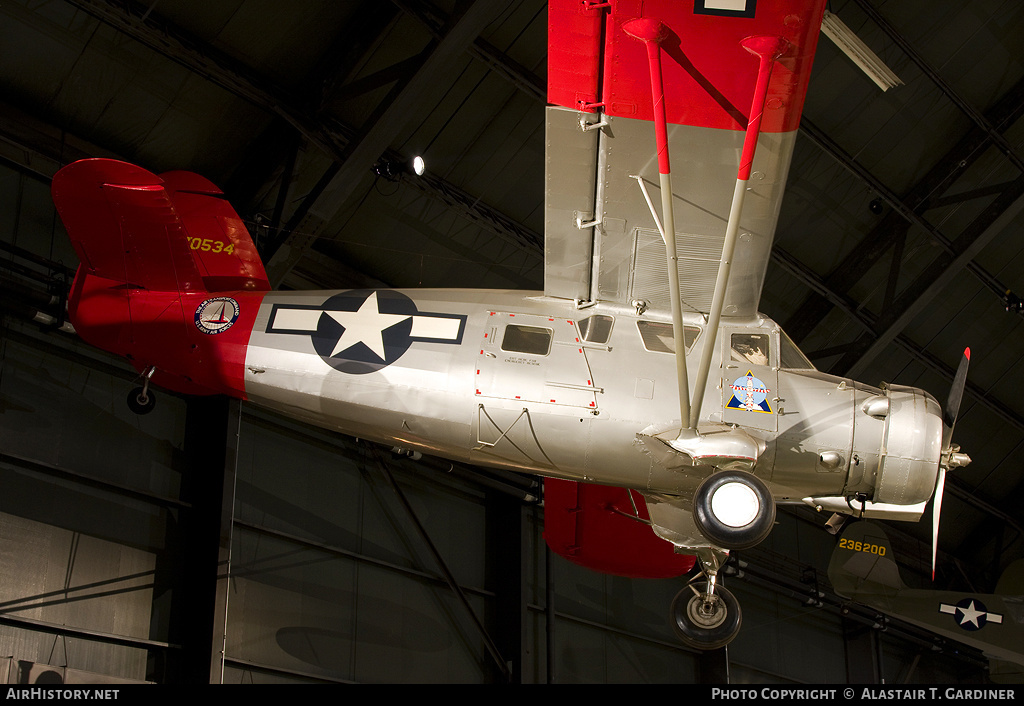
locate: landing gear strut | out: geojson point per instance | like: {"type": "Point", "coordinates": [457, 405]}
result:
{"type": "Point", "coordinates": [706, 615]}
{"type": "Point", "coordinates": [141, 400]}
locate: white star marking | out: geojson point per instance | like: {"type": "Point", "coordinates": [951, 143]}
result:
{"type": "Point", "coordinates": [364, 326]}
{"type": "Point", "coordinates": [971, 614]}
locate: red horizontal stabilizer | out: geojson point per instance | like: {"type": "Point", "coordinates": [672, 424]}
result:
{"type": "Point", "coordinates": [595, 526]}
{"type": "Point", "coordinates": [709, 77]}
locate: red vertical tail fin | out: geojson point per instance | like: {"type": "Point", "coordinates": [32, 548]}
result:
{"type": "Point", "coordinates": [220, 244]}
{"type": "Point", "coordinates": [169, 233]}
{"type": "Point", "coordinates": [152, 250]}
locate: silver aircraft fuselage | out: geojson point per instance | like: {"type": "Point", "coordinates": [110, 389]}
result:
{"type": "Point", "coordinates": [525, 382]}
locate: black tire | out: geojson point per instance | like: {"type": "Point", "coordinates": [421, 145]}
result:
{"type": "Point", "coordinates": [141, 401]}
{"type": "Point", "coordinates": [755, 522]}
{"type": "Point", "coordinates": [705, 627]}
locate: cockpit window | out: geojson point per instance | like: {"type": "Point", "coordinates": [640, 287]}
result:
{"type": "Point", "coordinates": [793, 357]}
{"type": "Point", "coordinates": [753, 348]}
{"type": "Point", "coordinates": [658, 337]}
{"type": "Point", "coordinates": [596, 328]}
{"type": "Point", "coordinates": [526, 339]}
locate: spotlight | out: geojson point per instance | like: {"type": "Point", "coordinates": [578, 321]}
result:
{"type": "Point", "coordinates": [392, 169]}
{"type": "Point", "coordinates": [875, 206]}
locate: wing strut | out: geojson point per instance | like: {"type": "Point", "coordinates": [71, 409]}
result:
{"type": "Point", "coordinates": [651, 32]}
{"type": "Point", "coordinates": [767, 49]}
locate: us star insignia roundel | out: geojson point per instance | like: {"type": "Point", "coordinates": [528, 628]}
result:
{"type": "Point", "coordinates": [749, 393]}
{"type": "Point", "coordinates": [970, 614]}
{"type": "Point", "coordinates": [363, 331]}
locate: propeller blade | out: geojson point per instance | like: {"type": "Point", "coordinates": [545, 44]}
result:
{"type": "Point", "coordinates": [936, 508]}
{"type": "Point", "coordinates": [956, 394]}
{"type": "Point", "coordinates": [949, 415]}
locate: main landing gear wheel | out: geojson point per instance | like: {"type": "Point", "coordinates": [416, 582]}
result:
{"type": "Point", "coordinates": [733, 509]}
{"type": "Point", "coordinates": [703, 621]}
{"type": "Point", "coordinates": [141, 401]}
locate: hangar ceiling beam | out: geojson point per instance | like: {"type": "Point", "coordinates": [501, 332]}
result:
{"type": "Point", "coordinates": [326, 132]}
{"type": "Point", "coordinates": [906, 211]}
{"type": "Point", "coordinates": [869, 322]}
{"type": "Point", "coordinates": [357, 158]}
{"type": "Point", "coordinates": [969, 110]}
{"type": "Point", "coordinates": [935, 278]}
{"type": "Point", "coordinates": [496, 60]}
{"type": "Point", "coordinates": [362, 32]}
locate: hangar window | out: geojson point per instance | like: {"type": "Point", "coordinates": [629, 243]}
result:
{"type": "Point", "coordinates": [658, 337]}
{"type": "Point", "coordinates": [596, 329]}
{"type": "Point", "coordinates": [526, 339]}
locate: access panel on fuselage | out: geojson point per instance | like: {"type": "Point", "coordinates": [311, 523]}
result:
{"type": "Point", "coordinates": [750, 378]}
{"type": "Point", "coordinates": [532, 358]}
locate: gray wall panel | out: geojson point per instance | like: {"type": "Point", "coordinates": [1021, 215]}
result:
{"type": "Point", "coordinates": [65, 578]}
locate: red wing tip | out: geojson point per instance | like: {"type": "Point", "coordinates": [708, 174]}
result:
{"type": "Point", "coordinates": [967, 353]}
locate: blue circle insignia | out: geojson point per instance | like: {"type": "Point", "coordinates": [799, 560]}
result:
{"type": "Point", "coordinates": [216, 315]}
{"type": "Point", "coordinates": [381, 326]}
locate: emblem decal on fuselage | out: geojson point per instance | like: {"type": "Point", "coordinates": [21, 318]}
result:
{"type": "Point", "coordinates": [216, 315]}
{"type": "Point", "coordinates": [363, 331]}
{"type": "Point", "coordinates": [749, 393]}
{"type": "Point", "coordinates": [970, 614]}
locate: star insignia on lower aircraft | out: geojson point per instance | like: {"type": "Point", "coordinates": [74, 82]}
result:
{"type": "Point", "coordinates": [363, 331]}
{"type": "Point", "coordinates": [970, 614]}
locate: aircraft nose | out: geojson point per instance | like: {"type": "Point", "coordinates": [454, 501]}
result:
{"type": "Point", "coordinates": [911, 447]}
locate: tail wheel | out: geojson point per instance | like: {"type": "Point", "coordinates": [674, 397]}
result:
{"type": "Point", "coordinates": [141, 401]}
{"type": "Point", "coordinates": [705, 622]}
{"type": "Point", "coordinates": [733, 509]}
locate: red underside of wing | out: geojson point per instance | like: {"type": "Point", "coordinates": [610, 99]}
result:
{"type": "Point", "coordinates": [588, 525]}
{"type": "Point", "coordinates": [709, 77]}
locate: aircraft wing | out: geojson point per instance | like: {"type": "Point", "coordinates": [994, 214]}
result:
{"type": "Point", "coordinates": [604, 528]}
{"type": "Point", "coordinates": [864, 569]}
{"type": "Point", "coordinates": [602, 239]}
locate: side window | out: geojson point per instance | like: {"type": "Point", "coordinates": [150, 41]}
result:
{"type": "Point", "coordinates": [596, 328]}
{"type": "Point", "coordinates": [751, 348]}
{"type": "Point", "coordinates": [792, 357]}
{"type": "Point", "coordinates": [658, 336]}
{"type": "Point", "coordinates": [526, 339]}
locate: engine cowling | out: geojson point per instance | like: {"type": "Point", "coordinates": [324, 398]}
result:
{"type": "Point", "coordinates": [911, 447]}
{"type": "Point", "coordinates": [897, 449]}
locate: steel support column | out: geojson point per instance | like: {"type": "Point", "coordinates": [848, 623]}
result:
{"type": "Point", "coordinates": [200, 621]}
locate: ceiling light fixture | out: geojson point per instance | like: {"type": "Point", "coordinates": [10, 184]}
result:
{"type": "Point", "coordinates": [392, 169]}
{"type": "Point", "coordinates": [858, 52]}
